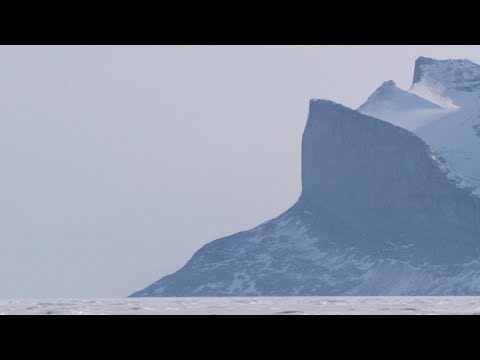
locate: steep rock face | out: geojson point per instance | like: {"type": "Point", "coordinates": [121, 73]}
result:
{"type": "Point", "coordinates": [383, 181]}
{"type": "Point", "coordinates": [447, 77]}
{"type": "Point", "coordinates": [452, 129]}
{"type": "Point", "coordinates": [377, 216]}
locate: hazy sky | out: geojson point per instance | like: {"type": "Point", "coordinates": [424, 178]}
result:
{"type": "Point", "coordinates": [118, 162]}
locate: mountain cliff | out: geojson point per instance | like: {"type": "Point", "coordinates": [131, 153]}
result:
{"type": "Point", "coordinates": [452, 127]}
{"type": "Point", "coordinates": [377, 215]}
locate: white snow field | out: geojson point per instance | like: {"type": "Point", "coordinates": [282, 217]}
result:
{"type": "Point", "coordinates": [354, 305]}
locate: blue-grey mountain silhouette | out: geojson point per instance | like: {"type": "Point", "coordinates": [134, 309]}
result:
{"type": "Point", "coordinates": [382, 211]}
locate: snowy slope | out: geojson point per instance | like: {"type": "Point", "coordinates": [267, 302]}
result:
{"type": "Point", "coordinates": [400, 107]}
{"type": "Point", "coordinates": [377, 216]}
{"type": "Point", "coordinates": [451, 130]}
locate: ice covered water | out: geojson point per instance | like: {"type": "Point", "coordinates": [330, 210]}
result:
{"type": "Point", "coordinates": [245, 305]}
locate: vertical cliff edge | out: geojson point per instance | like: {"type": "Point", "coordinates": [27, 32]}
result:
{"type": "Point", "coordinates": [377, 215]}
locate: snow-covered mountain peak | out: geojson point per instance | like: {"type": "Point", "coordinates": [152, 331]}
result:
{"type": "Point", "coordinates": [387, 90]}
{"type": "Point", "coordinates": [388, 85]}
{"type": "Point", "coordinates": [458, 74]}
{"type": "Point", "coordinates": [390, 92]}
{"type": "Point", "coordinates": [449, 83]}
{"type": "Point", "coordinates": [389, 100]}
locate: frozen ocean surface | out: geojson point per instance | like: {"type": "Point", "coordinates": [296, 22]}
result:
{"type": "Point", "coordinates": [245, 305]}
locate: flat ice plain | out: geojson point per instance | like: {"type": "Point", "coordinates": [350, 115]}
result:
{"type": "Point", "coordinates": [245, 305]}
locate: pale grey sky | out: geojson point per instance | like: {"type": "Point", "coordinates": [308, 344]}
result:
{"type": "Point", "coordinates": [118, 162]}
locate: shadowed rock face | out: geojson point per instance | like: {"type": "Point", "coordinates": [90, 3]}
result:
{"type": "Point", "coordinates": [377, 216]}
{"type": "Point", "coordinates": [385, 184]}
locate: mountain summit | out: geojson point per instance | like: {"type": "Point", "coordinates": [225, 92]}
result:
{"type": "Point", "coordinates": [454, 74]}
{"type": "Point", "coordinates": [397, 105]}
{"type": "Point", "coordinates": [452, 128]}
{"type": "Point", "coordinates": [377, 216]}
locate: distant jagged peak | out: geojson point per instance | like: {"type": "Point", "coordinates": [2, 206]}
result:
{"type": "Point", "coordinates": [401, 107]}
{"type": "Point", "coordinates": [459, 74]}
{"type": "Point", "coordinates": [449, 83]}
{"type": "Point", "coordinates": [389, 84]}
{"type": "Point", "coordinates": [390, 95]}
{"type": "Point", "coordinates": [385, 91]}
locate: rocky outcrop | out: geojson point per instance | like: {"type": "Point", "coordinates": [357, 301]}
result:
{"type": "Point", "coordinates": [454, 74]}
